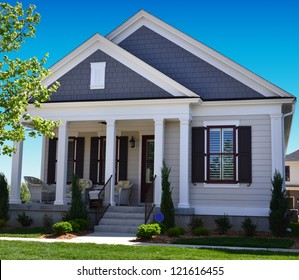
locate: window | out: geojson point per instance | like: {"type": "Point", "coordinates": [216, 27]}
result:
{"type": "Point", "coordinates": [97, 76]}
{"type": "Point", "coordinates": [287, 173]}
{"type": "Point", "coordinates": [221, 155]}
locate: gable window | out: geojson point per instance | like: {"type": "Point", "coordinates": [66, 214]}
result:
{"type": "Point", "coordinates": [97, 75]}
{"type": "Point", "coordinates": [221, 155]}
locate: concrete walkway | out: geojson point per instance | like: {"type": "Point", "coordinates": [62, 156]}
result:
{"type": "Point", "coordinates": [128, 239]}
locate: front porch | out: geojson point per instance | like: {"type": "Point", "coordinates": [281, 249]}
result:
{"type": "Point", "coordinates": [99, 149]}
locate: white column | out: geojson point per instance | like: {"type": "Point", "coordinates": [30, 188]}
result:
{"type": "Point", "coordinates": [184, 162]}
{"type": "Point", "coordinates": [158, 160]}
{"type": "Point", "coordinates": [43, 158]}
{"type": "Point", "coordinates": [277, 143]}
{"type": "Point", "coordinates": [16, 173]}
{"type": "Point", "coordinates": [110, 158]}
{"type": "Point", "coordinates": [61, 171]}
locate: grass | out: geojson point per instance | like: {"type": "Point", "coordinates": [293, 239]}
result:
{"type": "Point", "coordinates": [24, 232]}
{"type": "Point", "coordinates": [29, 250]}
{"type": "Point", "coordinates": [238, 242]}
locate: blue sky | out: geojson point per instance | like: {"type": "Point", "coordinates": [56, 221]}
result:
{"type": "Point", "coordinates": [261, 35]}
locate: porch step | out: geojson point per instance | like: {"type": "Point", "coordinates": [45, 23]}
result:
{"type": "Point", "coordinates": [121, 219]}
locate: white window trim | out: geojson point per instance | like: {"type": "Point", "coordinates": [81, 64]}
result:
{"type": "Point", "coordinates": [97, 75]}
{"type": "Point", "coordinates": [221, 123]}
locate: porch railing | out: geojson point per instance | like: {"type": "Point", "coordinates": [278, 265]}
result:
{"type": "Point", "coordinates": [149, 205]}
{"type": "Point", "coordinates": [101, 211]}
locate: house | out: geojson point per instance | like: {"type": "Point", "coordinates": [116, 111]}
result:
{"type": "Point", "coordinates": [220, 128]}
{"type": "Point", "coordinates": [292, 178]}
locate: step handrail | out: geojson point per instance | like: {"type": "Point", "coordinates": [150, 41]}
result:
{"type": "Point", "coordinates": [149, 206]}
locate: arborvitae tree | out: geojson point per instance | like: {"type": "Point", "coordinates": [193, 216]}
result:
{"type": "Point", "coordinates": [4, 203]}
{"type": "Point", "coordinates": [78, 209]}
{"type": "Point", "coordinates": [167, 207]}
{"type": "Point", "coordinates": [278, 218]}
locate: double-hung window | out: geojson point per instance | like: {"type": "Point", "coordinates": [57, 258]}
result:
{"type": "Point", "coordinates": [221, 154]}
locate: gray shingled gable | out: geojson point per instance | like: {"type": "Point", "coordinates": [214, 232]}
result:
{"type": "Point", "coordinates": [184, 67]}
{"type": "Point", "coordinates": [293, 156]}
{"type": "Point", "coordinates": [120, 83]}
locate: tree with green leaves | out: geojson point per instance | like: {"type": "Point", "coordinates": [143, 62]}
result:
{"type": "Point", "coordinates": [20, 80]}
{"type": "Point", "coordinates": [166, 206]}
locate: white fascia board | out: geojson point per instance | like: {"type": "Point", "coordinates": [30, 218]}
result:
{"type": "Point", "coordinates": [117, 110]}
{"type": "Point", "coordinates": [98, 42]}
{"type": "Point", "coordinates": [198, 49]}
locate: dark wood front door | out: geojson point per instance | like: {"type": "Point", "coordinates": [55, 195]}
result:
{"type": "Point", "coordinates": [147, 168]}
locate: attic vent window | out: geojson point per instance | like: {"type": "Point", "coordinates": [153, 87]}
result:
{"type": "Point", "coordinates": [97, 77]}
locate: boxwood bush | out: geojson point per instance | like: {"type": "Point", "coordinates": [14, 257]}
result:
{"type": "Point", "coordinates": [61, 228]}
{"type": "Point", "coordinates": [148, 231]}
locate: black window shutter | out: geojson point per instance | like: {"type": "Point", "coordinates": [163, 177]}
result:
{"type": "Point", "coordinates": [244, 154]}
{"type": "Point", "coordinates": [123, 158]}
{"type": "Point", "coordinates": [198, 154]}
{"type": "Point", "coordinates": [80, 157]}
{"type": "Point", "coordinates": [52, 161]}
{"type": "Point", "coordinates": [94, 154]}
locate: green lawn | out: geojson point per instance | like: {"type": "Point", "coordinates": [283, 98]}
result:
{"type": "Point", "coordinates": [24, 232]}
{"type": "Point", "coordinates": [238, 242]}
{"type": "Point", "coordinates": [30, 250]}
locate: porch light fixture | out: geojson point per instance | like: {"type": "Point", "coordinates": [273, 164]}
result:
{"type": "Point", "coordinates": [132, 143]}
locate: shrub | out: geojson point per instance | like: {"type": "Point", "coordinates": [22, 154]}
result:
{"type": "Point", "coordinates": [83, 224]}
{"type": "Point", "coordinates": [201, 231]}
{"type": "Point", "coordinates": [47, 221]}
{"type": "Point", "coordinates": [2, 223]}
{"type": "Point", "coordinates": [248, 226]}
{"type": "Point", "coordinates": [24, 193]}
{"type": "Point", "coordinates": [24, 220]}
{"type": "Point", "coordinates": [78, 208]}
{"type": "Point", "coordinates": [163, 229]}
{"type": "Point", "coordinates": [75, 226]}
{"type": "Point", "coordinates": [223, 224]}
{"type": "Point", "coordinates": [148, 231]}
{"type": "Point", "coordinates": [167, 207]}
{"type": "Point", "coordinates": [279, 218]}
{"type": "Point", "coordinates": [196, 223]}
{"type": "Point", "coordinates": [4, 203]}
{"type": "Point", "coordinates": [175, 231]}
{"type": "Point", "coordinates": [295, 229]}
{"type": "Point", "coordinates": [61, 228]}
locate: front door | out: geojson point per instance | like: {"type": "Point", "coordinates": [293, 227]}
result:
{"type": "Point", "coordinates": [147, 168]}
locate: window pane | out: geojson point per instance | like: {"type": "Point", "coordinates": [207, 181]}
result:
{"type": "Point", "coordinates": [70, 160]}
{"type": "Point", "coordinates": [228, 140]}
{"type": "Point", "coordinates": [227, 167]}
{"type": "Point", "coordinates": [215, 136]}
{"type": "Point", "coordinates": [215, 167]}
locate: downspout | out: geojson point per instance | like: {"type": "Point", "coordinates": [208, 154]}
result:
{"type": "Point", "coordinates": [283, 141]}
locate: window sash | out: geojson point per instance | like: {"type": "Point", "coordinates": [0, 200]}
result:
{"type": "Point", "coordinates": [221, 156]}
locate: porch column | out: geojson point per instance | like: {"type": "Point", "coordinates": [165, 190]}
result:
{"type": "Point", "coordinates": [158, 159]}
{"type": "Point", "coordinates": [61, 173]}
{"type": "Point", "coordinates": [277, 143]}
{"type": "Point", "coordinates": [110, 158]}
{"type": "Point", "coordinates": [184, 162]}
{"type": "Point", "coordinates": [16, 173]}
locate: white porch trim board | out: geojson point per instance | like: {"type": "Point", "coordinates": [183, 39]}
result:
{"type": "Point", "coordinates": [110, 159]}
{"type": "Point", "coordinates": [61, 171]}
{"type": "Point", "coordinates": [16, 173]}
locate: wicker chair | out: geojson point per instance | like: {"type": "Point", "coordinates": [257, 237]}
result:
{"type": "Point", "coordinates": [39, 190]}
{"type": "Point", "coordinates": [122, 192]}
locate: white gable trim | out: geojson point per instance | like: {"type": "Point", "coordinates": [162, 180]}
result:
{"type": "Point", "coordinates": [98, 42]}
{"type": "Point", "coordinates": [198, 49]}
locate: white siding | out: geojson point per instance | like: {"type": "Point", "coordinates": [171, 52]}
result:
{"type": "Point", "coordinates": [258, 194]}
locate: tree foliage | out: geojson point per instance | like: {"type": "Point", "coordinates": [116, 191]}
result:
{"type": "Point", "coordinates": [167, 207]}
{"type": "Point", "coordinates": [20, 80]}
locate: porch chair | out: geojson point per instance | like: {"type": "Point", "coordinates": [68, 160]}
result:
{"type": "Point", "coordinates": [122, 193]}
{"type": "Point", "coordinates": [85, 185]}
{"type": "Point", "coordinates": [39, 190]}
